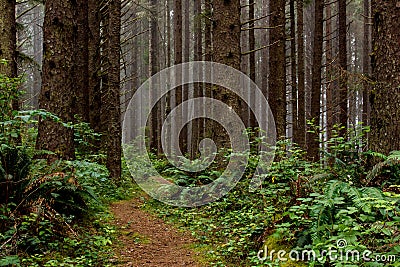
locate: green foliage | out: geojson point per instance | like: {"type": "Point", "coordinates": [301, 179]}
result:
{"type": "Point", "coordinates": [301, 205]}
{"type": "Point", "coordinates": [61, 219]}
{"type": "Point", "coordinates": [365, 217]}
{"type": "Point", "coordinates": [51, 215]}
{"type": "Point", "coordinates": [346, 156]}
{"type": "Point", "coordinates": [387, 172]}
{"type": "Point", "coordinates": [9, 88]}
{"type": "Point", "coordinates": [10, 260]}
{"type": "Point", "coordinates": [186, 175]}
{"type": "Point", "coordinates": [86, 140]}
{"type": "Point", "coordinates": [233, 227]}
{"type": "Point", "coordinates": [10, 92]}
{"type": "Point", "coordinates": [14, 169]}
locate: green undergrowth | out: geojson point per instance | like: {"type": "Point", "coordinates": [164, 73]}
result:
{"type": "Point", "coordinates": [59, 216]}
{"type": "Point", "coordinates": [52, 214]}
{"type": "Point", "coordinates": [346, 203]}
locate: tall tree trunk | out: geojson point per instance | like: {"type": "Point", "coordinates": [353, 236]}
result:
{"type": "Point", "coordinates": [366, 61]}
{"type": "Point", "coordinates": [111, 109]}
{"type": "Point", "coordinates": [385, 96]}
{"type": "Point", "coordinates": [178, 50]}
{"type": "Point", "coordinates": [252, 42]}
{"type": "Point", "coordinates": [8, 40]}
{"type": "Point", "coordinates": [169, 97]}
{"type": "Point", "coordinates": [277, 66]}
{"type": "Point", "coordinates": [293, 65]}
{"type": "Point", "coordinates": [186, 131]}
{"type": "Point", "coordinates": [208, 30]}
{"type": "Point", "coordinates": [198, 125]}
{"type": "Point", "coordinates": [37, 51]}
{"type": "Point", "coordinates": [156, 125]}
{"type": "Point", "coordinates": [58, 85]}
{"type": "Point", "coordinates": [226, 32]}
{"type": "Point", "coordinates": [226, 44]}
{"type": "Point", "coordinates": [82, 60]}
{"type": "Point", "coordinates": [343, 96]}
{"type": "Point", "coordinates": [168, 33]}
{"type": "Point", "coordinates": [301, 133]}
{"type": "Point", "coordinates": [329, 73]}
{"type": "Point", "coordinates": [94, 63]}
{"type": "Point", "coordinates": [264, 58]}
{"type": "Point", "coordinates": [313, 140]}
{"type": "Point", "coordinates": [208, 56]}
{"type": "Point", "coordinates": [252, 60]}
{"type": "Point", "coordinates": [245, 59]}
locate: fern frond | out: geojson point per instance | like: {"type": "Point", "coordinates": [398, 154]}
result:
{"type": "Point", "coordinates": [394, 155]}
{"type": "Point", "coordinates": [373, 192]}
{"type": "Point", "coordinates": [376, 154]}
{"type": "Point", "coordinates": [392, 160]}
{"type": "Point", "coordinates": [321, 177]}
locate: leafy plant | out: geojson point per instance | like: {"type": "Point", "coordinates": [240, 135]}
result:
{"type": "Point", "coordinates": [14, 169]}
{"type": "Point", "coordinates": [387, 172]}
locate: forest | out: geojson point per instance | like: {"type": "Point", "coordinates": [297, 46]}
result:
{"type": "Point", "coordinates": [200, 133]}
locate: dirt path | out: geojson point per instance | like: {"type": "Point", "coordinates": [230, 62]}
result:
{"type": "Point", "coordinates": [145, 240]}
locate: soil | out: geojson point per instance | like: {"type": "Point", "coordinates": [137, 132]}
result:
{"type": "Point", "coordinates": [145, 240]}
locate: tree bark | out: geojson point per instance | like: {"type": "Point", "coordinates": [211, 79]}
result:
{"type": "Point", "coordinates": [58, 85]}
{"type": "Point", "coordinates": [252, 61]}
{"type": "Point", "coordinates": [208, 56]}
{"type": "Point", "coordinates": [8, 38]}
{"type": "Point", "coordinates": [156, 124]}
{"type": "Point", "coordinates": [208, 30]}
{"type": "Point", "coordinates": [94, 63]}
{"type": "Point", "coordinates": [301, 133]}
{"type": "Point", "coordinates": [186, 133]}
{"type": "Point", "coordinates": [178, 50]}
{"type": "Point", "coordinates": [313, 137]}
{"type": "Point", "coordinates": [8, 41]}
{"type": "Point", "coordinates": [329, 74]}
{"type": "Point", "coordinates": [226, 45]}
{"type": "Point", "coordinates": [37, 51]}
{"type": "Point", "coordinates": [264, 59]}
{"type": "Point", "coordinates": [277, 66]}
{"type": "Point", "coordinates": [82, 60]}
{"type": "Point", "coordinates": [343, 96]}
{"type": "Point", "coordinates": [385, 96]}
{"type": "Point", "coordinates": [198, 125]}
{"type": "Point", "coordinates": [293, 65]}
{"type": "Point", "coordinates": [111, 110]}
{"type": "Point", "coordinates": [366, 61]}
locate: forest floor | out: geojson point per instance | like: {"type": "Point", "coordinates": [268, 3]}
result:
{"type": "Point", "coordinates": [145, 240]}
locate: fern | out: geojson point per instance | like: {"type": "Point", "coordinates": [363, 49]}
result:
{"type": "Point", "coordinates": [394, 155]}
{"type": "Point", "coordinates": [14, 168]}
{"type": "Point", "coordinates": [391, 161]}
{"type": "Point", "coordinates": [339, 208]}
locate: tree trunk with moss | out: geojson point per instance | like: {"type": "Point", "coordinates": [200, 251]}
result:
{"type": "Point", "coordinates": [8, 38]}
{"type": "Point", "coordinates": [8, 41]}
{"type": "Point", "coordinates": [58, 87]}
{"type": "Point", "coordinates": [385, 95]}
